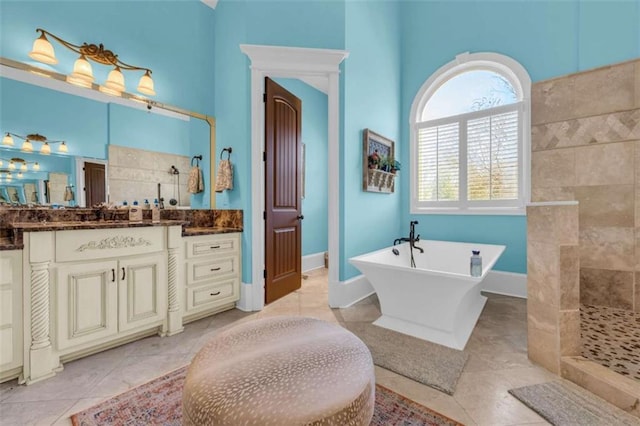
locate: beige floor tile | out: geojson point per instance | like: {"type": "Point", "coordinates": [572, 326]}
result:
{"type": "Point", "coordinates": [497, 362]}
{"type": "Point", "coordinates": [81, 404]}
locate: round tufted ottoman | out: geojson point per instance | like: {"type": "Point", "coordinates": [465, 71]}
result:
{"type": "Point", "coordinates": [281, 371]}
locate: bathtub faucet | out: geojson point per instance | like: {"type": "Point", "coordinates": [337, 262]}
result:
{"type": "Point", "coordinates": [412, 236]}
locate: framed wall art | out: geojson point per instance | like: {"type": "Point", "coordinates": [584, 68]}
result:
{"type": "Point", "coordinates": [379, 166]}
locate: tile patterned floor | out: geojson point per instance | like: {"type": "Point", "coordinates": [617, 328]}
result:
{"type": "Point", "coordinates": [497, 362]}
{"type": "Point", "coordinates": [611, 337]}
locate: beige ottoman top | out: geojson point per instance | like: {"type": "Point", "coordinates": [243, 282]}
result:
{"type": "Point", "coordinates": [280, 371]}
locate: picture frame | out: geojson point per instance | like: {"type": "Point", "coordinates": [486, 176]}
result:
{"type": "Point", "coordinates": [378, 159]}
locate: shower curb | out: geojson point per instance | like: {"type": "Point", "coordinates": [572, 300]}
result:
{"type": "Point", "coordinates": [620, 391]}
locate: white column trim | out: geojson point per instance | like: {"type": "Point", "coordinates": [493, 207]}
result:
{"type": "Point", "coordinates": [292, 62]}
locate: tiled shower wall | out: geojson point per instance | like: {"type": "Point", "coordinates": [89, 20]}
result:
{"type": "Point", "coordinates": [134, 174]}
{"type": "Point", "coordinates": [586, 147]}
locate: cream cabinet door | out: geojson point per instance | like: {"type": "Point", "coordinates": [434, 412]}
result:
{"type": "Point", "coordinates": [10, 313]}
{"type": "Point", "coordinates": [142, 291]}
{"type": "Point", "coordinates": [87, 303]}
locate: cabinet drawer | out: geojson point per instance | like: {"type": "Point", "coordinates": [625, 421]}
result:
{"type": "Point", "coordinates": [211, 268]}
{"type": "Point", "coordinates": [215, 294]}
{"type": "Point", "coordinates": [222, 244]}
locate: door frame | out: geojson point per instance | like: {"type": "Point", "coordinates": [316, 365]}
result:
{"type": "Point", "coordinates": [322, 65]}
{"type": "Point", "coordinates": [80, 193]}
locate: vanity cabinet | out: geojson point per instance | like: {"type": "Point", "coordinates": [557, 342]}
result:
{"type": "Point", "coordinates": [92, 289]}
{"type": "Point", "coordinates": [10, 314]}
{"type": "Point", "coordinates": [212, 268]}
{"type": "Point", "coordinates": [96, 300]}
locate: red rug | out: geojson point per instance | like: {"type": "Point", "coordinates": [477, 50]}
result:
{"type": "Point", "coordinates": [159, 402]}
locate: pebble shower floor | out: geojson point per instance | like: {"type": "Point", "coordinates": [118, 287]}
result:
{"type": "Point", "coordinates": [611, 337]}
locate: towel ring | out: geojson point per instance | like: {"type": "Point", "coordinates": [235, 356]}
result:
{"type": "Point", "coordinates": [229, 150]}
{"type": "Point", "coordinates": [198, 158]}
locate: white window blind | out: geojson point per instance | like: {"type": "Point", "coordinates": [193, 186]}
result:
{"type": "Point", "coordinates": [492, 157]}
{"type": "Point", "coordinates": [438, 163]}
{"type": "Point", "coordinates": [469, 160]}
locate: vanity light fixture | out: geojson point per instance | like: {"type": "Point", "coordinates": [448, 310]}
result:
{"type": "Point", "coordinates": [20, 175]}
{"type": "Point", "coordinates": [21, 164]}
{"type": "Point", "coordinates": [27, 145]}
{"type": "Point", "coordinates": [82, 74]}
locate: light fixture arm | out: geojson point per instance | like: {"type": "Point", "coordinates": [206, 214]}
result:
{"type": "Point", "coordinates": [33, 137]}
{"type": "Point", "coordinates": [96, 53]}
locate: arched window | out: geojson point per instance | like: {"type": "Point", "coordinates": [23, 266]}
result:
{"type": "Point", "coordinates": [470, 132]}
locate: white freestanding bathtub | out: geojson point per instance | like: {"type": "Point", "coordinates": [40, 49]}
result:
{"type": "Point", "coordinates": [438, 300]}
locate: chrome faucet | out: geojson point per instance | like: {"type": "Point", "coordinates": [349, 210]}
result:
{"type": "Point", "coordinates": [160, 199]}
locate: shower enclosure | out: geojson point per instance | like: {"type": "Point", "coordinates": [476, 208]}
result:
{"type": "Point", "coordinates": [586, 149]}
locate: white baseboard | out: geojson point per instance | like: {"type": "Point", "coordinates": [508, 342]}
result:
{"type": "Point", "coordinates": [312, 261]}
{"type": "Point", "coordinates": [346, 293]}
{"type": "Point", "coordinates": [506, 283]}
{"type": "Point", "coordinates": [246, 298]}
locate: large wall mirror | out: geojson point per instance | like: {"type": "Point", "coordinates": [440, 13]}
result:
{"type": "Point", "coordinates": [126, 148]}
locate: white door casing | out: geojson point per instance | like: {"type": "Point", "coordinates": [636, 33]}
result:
{"type": "Point", "coordinates": [301, 63]}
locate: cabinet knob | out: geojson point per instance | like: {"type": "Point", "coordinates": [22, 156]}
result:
{"type": "Point", "coordinates": [215, 294]}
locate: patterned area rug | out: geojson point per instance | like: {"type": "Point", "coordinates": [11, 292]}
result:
{"type": "Point", "coordinates": [160, 402]}
{"type": "Point", "coordinates": [565, 404]}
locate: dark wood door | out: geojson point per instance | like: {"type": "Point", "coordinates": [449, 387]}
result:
{"type": "Point", "coordinates": [94, 183]}
{"type": "Point", "coordinates": [283, 185]}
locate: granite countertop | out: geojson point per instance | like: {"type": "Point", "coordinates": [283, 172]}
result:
{"type": "Point", "coordinates": [71, 225]}
{"type": "Point", "coordinates": [189, 232]}
{"type": "Point", "coordinates": [16, 242]}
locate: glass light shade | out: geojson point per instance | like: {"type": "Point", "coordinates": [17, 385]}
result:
{"type": "Point", "coordinates": [7, 140]}
{"type": "Point", "coordinates": [43, 51]}
{"type": "Point", "coordinates": [63, 147]}
{"type": "Point", "coordinates": [146, 85]}
{"type": "Point", "coordinates": [8, 178]}
{"type": "Point", "coordinates": [27, 146]}
{"type": "Point", "coordinates": [82, 70]}
{"type": "Point", "coordinates": [20, 175]}
{"type": "Point", "coordinates": [115, 80]}
{"type": "Point", "coordinates": [12, 165]}
{"type": "Point", "coordinates": [1, 163]}
{"type": "Point", "coordinates": [23, 167]}
{"type": "Point", "coordinates": [46, 149]}
{"type": "Point", "coordinates": [36, 166]}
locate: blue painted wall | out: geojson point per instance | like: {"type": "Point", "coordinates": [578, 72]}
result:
{"type": "Point", "coordinates": [549, 38]}
{"type": "Point", "coordinates": [301, 24]}
{"type": "Point", "coordinates": [369, 221]}
{"type": "Point", "coordinates": [395, 46]}
{"type": "Point", "coordinates": [315, 137]}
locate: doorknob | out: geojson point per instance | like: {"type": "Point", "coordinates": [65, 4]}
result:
{"type": "Point", "coordinates": [300, 217]}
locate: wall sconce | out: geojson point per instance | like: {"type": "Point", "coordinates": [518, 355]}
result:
{"type": "Point", "coordinates": [27, 145]}
{"type": "Point", "coordinates": [82, 74]}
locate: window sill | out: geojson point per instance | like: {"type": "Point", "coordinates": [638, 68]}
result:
{"type": "Point", "coordinates": [471, 211]}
